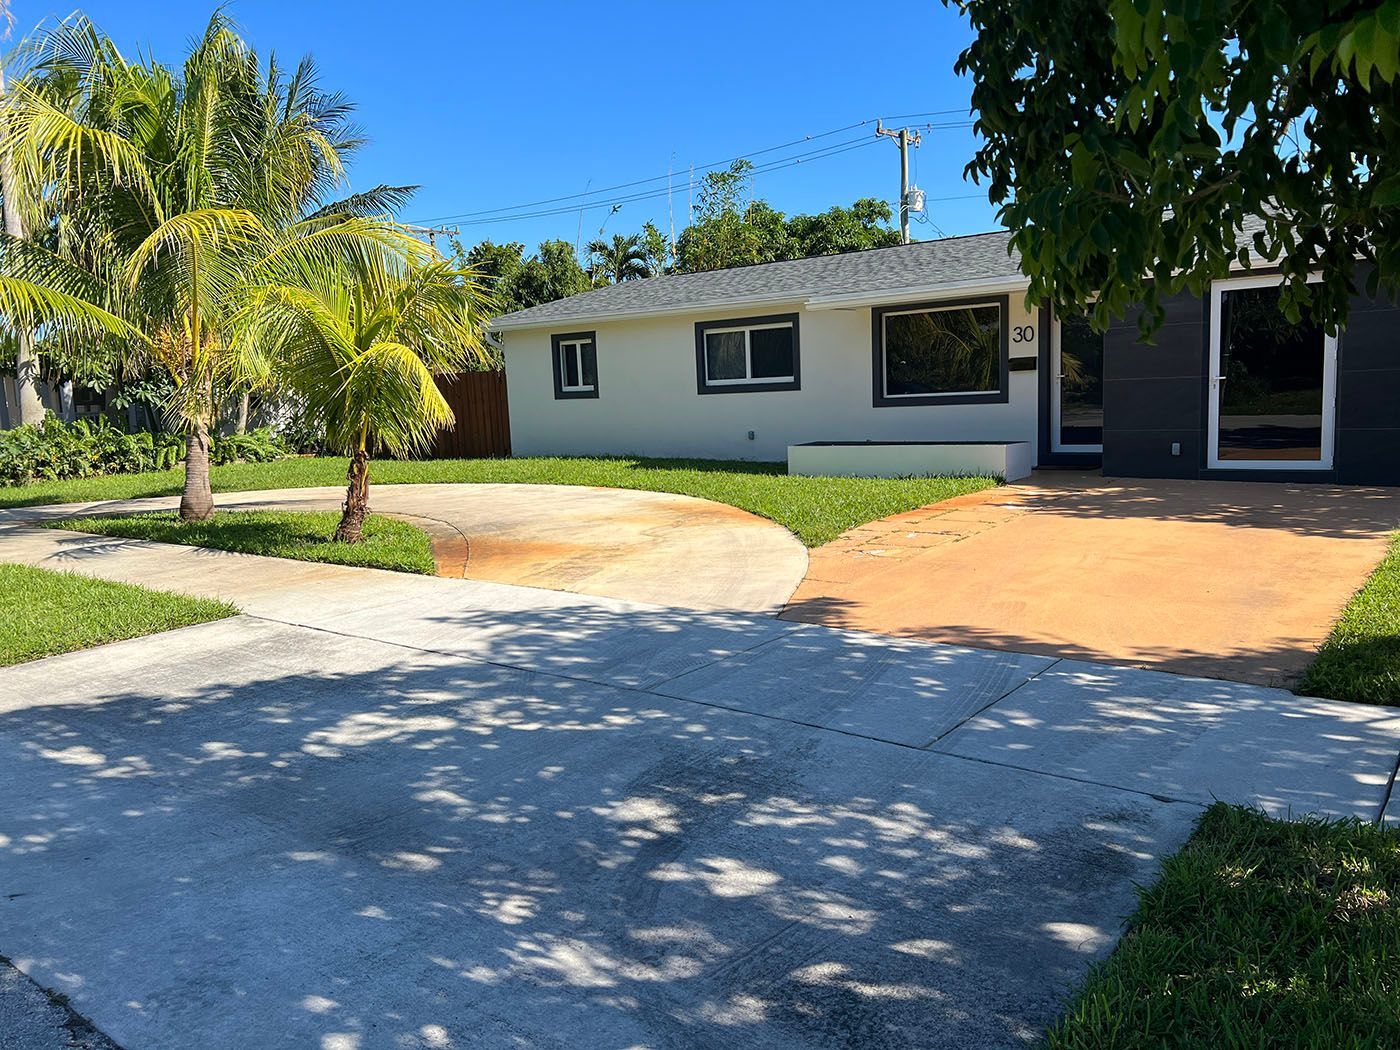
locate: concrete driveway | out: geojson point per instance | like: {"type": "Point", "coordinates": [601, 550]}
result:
{"type": "Point", "coordinates": [1234, 580]}
{"type": "Point", "coordinates": [638, 546]}
{"type": "Point", "coordinates": [392, 811]}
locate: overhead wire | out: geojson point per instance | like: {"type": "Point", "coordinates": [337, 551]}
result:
{"type": "Point", "coordinates": [523, 211]}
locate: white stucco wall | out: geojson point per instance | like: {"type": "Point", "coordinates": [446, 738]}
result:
{"type": "Point", "coordinates": [647, 402]}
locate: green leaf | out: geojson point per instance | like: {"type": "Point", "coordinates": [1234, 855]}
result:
{"type": "Point", "coordinates": [1389, 17]}
{"type": "Point", "coordinates": [1386, 193]}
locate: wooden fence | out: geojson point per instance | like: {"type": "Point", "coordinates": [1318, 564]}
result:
{"type": "Point", "coordinates": [478, 401]}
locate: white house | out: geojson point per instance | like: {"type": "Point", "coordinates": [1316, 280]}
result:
{"type": "Point", "coordinates": [925, 358]}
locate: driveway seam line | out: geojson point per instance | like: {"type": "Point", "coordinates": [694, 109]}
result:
{"type": "Point", "coordinates": [1078, 780]}
{"type": "Point", "coordinates": [786, 632]}
{"type": "Point", "coordinates": [646, 691]}
{"type": "Point", "coordinates": [987, 706]}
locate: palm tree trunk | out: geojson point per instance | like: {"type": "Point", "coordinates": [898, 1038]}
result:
{"type": "Point", "coordinates": [353, 513]}
{"type": "Point", "coordinates": [31, 405]}
{"type": "Point", "coordinates": [197, 500]}
{"type": "Point", "coordinates": [242, 426]}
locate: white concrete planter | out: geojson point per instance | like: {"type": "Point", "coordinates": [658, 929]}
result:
{"type": "Point", "coordinates": [1010, 460]}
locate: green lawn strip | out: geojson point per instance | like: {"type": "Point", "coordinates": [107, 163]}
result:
{"type": "Point", "coordinates": [43, 612]}
{"type": "Point", "coordinates": [1361, 658]}
{"type": "Point", "coordinates": [1259, 933]}
{"type": "Point", "coordinates": [301, 535]}
{"type": "Point", "coordinates": [816, 510]}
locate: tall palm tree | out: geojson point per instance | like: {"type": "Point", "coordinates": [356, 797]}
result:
{"type": "Point", "coordinates": [622, 259]}
{"type": "Point", "coordinates": [175, 196]}
{"type": "Point", "coordinates": [362, 350]}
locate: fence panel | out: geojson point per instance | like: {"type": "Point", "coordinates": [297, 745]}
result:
{"type": "Point", "coordinates": [478, 401]}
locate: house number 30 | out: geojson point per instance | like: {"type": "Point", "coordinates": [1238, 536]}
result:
{"type": "Point", "coordinates": [1023, 333]}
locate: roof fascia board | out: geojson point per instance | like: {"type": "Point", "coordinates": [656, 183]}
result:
{"type": "Point", "coordinates": [653, 311]}
{"type": "Point", "coordinates": [917, 293]}
{"type": "Point", "coordinates": [846, 301]}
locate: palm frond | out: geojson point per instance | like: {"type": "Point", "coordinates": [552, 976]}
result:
{"type": "Point", "coordinates": [193, 235]}
{"type": "Point", "coordinates": [380, 200]}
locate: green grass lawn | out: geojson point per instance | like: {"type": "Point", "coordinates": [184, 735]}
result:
{"type": "Point", "coordinates": [1259, 933]}
{"type": "Point", "coordinates": [816, 510]}
{"type": "Point", "coordinates": [1361, 658]}
{"type": "Point", "coordinates": [303, 535]}
{"type": "Point", "coordinates": [43, 613]}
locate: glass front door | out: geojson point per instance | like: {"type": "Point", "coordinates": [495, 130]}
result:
{"type": "Point", "coordinates": [1076, 402]}
{"type": "Point", "coordinates": [1271, 382]}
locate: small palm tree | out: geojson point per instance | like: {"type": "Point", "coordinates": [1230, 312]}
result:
{"type": "Point", "coordinates": [176, 191]}
{"type": "Point", "coordinates": [362, 349]}
{"type": "Point", "coordinates": [622, 259]}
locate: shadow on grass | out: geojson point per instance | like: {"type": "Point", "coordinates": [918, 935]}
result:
{"type": "Point", "coordinates": [1365, 670]}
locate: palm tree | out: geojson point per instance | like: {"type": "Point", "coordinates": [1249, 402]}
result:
{"type": "Point", "coordinates": [362, 348]}
{"type": "Point", "coordinates": [175, 196]}
{"type": "Point", "coordinates": [623, 259]}
{"type": "Point", "coordinates": [30, 407]}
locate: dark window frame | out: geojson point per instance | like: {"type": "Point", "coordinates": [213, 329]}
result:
{"type": "Point", "coordinates": [702, 384]}
{"type": "Point", "coordinates": [1000, 396]}
{"type": "Point", "coordinates": [555, 342]}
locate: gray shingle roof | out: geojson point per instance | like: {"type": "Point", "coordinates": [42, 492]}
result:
{"type": "Point", "coordinates": [922, 265]}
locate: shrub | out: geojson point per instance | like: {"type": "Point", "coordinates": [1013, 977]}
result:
{"type": "Point", "coordinates": [55, 451]}
{"type": "Point", "coordinates": [256, 446]}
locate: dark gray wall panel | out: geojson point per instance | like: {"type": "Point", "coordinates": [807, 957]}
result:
{"type": "Point", "coordinates": [1368, 394]}
{"type": "Point", "coordinates": [1153, 404]}
{"type": "Point", "coordinates": [1147, 454]}
{"type": "Point", "coordinates": [1177, 353]}
{"type": "Point", "coordinates": [1368, 457]}
{"type": "Point", "coordinates": [1370, 398]}
{"type": "Point", "coordinates": [1153, 395]}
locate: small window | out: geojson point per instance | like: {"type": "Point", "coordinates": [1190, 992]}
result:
{"type": "Point", "coordinates": [575, 365]}
{"type": "Point", "coordinates": [751, 353]}
{"type": "Point", "coordinates": [941, 353]}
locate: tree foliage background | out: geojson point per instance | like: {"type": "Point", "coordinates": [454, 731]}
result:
{"type": "Point", "coordinates": [1138, 147]}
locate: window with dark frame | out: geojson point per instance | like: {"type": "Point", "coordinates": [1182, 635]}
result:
{"type": "Point", "coordinates": [575, 365]}
{"type": "Point", "coordinates": [751, 353]}
{"type": "Point", "coordinates": [941, 353]}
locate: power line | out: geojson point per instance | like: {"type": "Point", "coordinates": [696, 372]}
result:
{"type": "Point", "coordinates": [646, 195]}
{"type": "Point", "coordinates": [477, 215]}
{"type": "Point", "coordinates": [643, 182]}
{"type": "Point", "coordinates": [790, 162]}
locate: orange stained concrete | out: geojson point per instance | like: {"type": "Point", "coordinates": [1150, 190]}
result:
{"type": "Point", "coordinates": [1237, 580]}
{"type": "Point", "coordinates": [635, 545]}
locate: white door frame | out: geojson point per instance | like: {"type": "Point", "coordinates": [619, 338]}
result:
{"type": "Point", "coordinates": [1329, 388]}
{"type": "Point", "coordinates": [1057, 396]}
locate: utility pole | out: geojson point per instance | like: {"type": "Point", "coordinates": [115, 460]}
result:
{"type": "Point", "coordinates": [433, 232]}
{"type": "Point", "coordinates": [903, 137]}
{"type": "Point", "coordinates": [670, 210]}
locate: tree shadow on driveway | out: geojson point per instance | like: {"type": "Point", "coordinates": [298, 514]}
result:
{"type": "Point", "coordinates": [264, 835]}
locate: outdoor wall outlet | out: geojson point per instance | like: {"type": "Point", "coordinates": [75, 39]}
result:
{"type": "Point", "coordinates": [1176, 448]}
{"type": "Point", "coordinates": [750, 435]}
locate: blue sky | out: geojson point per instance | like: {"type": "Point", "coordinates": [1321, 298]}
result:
{"type": "Point", "coordinates": [490, 105]}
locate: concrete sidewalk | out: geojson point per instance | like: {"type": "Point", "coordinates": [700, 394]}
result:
{"type": "Point", "coordinates": [391, 811]}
